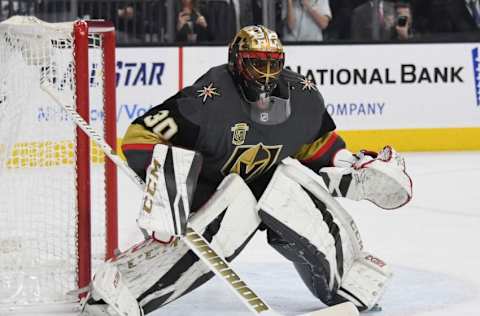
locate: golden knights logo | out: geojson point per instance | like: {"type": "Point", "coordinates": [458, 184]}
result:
{"type": "Point", "coordinates": [239, 133]}
{"type": "Point", "coordinates": [207, 92]}
{"type": "Point", "coordinates": [250, 161]}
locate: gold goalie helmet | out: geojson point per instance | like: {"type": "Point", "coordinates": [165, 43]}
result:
{"type": "Point", "coordinates": [256, 58]}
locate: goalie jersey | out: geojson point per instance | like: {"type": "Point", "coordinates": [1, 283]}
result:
{"type": "Point", "coordinates": [211, 117]}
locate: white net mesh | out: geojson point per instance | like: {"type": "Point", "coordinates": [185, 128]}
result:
{"type": "Point", "coordinates": [38, 196]}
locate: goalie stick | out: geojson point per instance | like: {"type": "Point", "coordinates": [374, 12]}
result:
{"type": "Point", "coordinates": [195, 241]}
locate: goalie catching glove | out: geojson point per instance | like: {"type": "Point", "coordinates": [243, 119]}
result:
{"type": "Point", "coordinates": [379, 178]}
{"type": "Point", "coordinates": [170, 183]}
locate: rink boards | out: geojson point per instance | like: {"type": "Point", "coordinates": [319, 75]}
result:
{"type": "Point", "coordinates": [419, 97]}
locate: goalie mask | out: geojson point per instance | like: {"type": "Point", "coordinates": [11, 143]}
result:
{"type": "Point", "coordinates": [256, 59]}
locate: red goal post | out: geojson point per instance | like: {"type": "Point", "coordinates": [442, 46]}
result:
{"type": "Point", "coordinates": [107, 31]}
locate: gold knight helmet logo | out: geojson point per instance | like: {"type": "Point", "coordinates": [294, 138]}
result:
{"type": "Point", "coordinates": [250, 161]}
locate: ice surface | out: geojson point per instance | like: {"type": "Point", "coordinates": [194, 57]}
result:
{"type": "Point", "coordinates": [431, 244]}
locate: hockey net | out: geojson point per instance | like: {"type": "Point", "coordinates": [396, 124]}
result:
{"type": "Point", "coordinates": [57, 192]}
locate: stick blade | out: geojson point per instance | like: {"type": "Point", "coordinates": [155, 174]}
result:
{"type": "Point", "coordinates": [344, 309]}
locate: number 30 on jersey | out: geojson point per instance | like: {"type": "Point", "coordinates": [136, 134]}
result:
{"type": "Point", "coordinates": [162, 125]}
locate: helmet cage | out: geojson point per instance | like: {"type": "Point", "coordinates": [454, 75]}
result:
{"type": "Point", "coordinates": [262, 69]}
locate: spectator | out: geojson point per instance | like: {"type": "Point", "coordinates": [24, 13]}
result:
{"type": "Point", "coordinates": [191, 24]}
{"type": "Point", "coordinates": [403, 25]}
{"type": "Point", "coordinates": [373, 20]}
{"type": "Point", "coordinates": [127, 12]}
{"type": "Point", "coordinates": [340, 26]}
{"type": "Point", "coordinates": [223, 19]}
{"type": "Point", "coordinates": [473, 7]}
{"type": "Point", "coordinates": [447, 16]}
{"type": "Point", "coordinates": [278, 19]}
{"type": "Point", "coordinates": [124, 15]}
{"type": "Point", "coordinates": [129, 27]}
{"type": "Point", "coordinates": [305, 20]}
{"type": "Point", "coordinates": [250, 12]}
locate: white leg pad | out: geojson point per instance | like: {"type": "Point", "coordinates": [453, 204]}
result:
{"type": "Point", "coordinates": [288, 203]}
{"type": "Point", "coordinates": [286, 199]}
{"type": "Point", "coordinates": [240, 221]}
{"type": "Point", "coordinates": [143, 265]}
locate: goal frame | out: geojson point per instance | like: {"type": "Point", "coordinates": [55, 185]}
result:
{"type": "Point", "coordinates": [81, 30]}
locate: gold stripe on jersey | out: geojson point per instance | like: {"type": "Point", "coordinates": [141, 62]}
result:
{"type": "Point", "coordinates": [308, 151]}
{"type": "Point", "coordinates": [137, 134]}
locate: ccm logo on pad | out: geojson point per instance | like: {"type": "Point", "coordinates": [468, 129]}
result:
{"type": "Point", "coordinates": [375, 261]}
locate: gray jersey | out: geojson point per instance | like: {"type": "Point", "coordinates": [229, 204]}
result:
{"type": "Point", "coordinates": [211, 117]}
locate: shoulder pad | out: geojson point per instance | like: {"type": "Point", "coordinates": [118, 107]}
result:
{"type": "Point", "coordinates": [214, 85]}
{"type": "Point", "coordinates": [291, 77]}
{"type": "Point", "coordinates": [297, 81]}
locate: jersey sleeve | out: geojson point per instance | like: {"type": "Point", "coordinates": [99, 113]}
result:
{"type": "Point", "coordinates": [162, 124]}
{"type": "Point", "coordinates": [322, 150]}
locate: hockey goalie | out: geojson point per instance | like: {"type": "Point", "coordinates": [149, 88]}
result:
{"type": "Point", "coordinates": [249, 146]}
